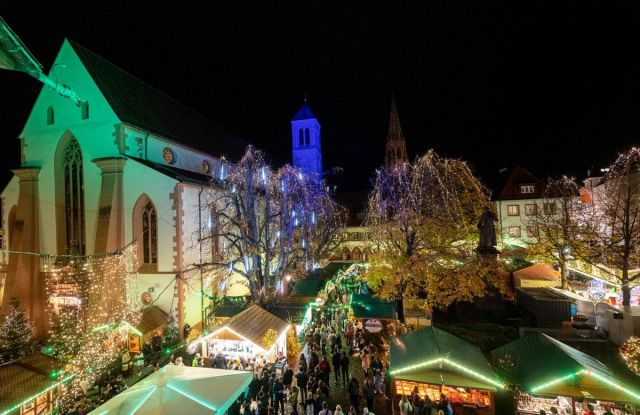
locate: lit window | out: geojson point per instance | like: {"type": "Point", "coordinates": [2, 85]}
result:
{"type": "Point", "coordinates": [549, 208]}
{"type": "Point", "coordinates": [50, 116]}
{"type": "Point", "coordinates": [84, 108]}
{"type": "Point", "coordinates": [149, 234]}
{"type": "Point", "coordinates": [514, 231]}
{"type": "Point", "coordinates": [530, 210]}
{"type": "Point", "coordinates": [527, 188]}
{"type": "Point", "coordinates": [513, 210]}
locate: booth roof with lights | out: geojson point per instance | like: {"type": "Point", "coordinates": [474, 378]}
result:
{"type": "Point", "coordinates": [30, 383]}
{"type": "Point", "coordinates": [437, 362]}
{"type": "Point", "coordinates": [431, 355]}
{"type": "Point", "coordinates": [545, 366]}
{"type": "Point", "coordinates": [251, 325]}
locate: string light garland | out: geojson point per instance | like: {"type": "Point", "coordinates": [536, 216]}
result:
{"type": "Point", "coordinates": [444, 360]}
{"type": "Point", "coordinates": [32, 397]}
{"type": "Point", "coordinates": [630, 352]}
{"type": "Point", "coordinates": [92, 308]}
{"type": "Point", "coordinates": [592, 373]}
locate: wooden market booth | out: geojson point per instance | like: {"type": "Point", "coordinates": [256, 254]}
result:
{"type": "Point", "coordinates": [550, 373]}
{"type": "Point", "coordinates": [31, 385]}
{"type": "Point", "coordinates": [243, 336]}
{"type": "Point", "coordinates": [437, 362]}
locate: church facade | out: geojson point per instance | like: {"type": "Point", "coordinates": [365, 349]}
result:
{"type": "Point", "coordinates": [126, 167]}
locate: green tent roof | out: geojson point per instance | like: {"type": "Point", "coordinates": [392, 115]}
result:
{"type": "Point", "coordinates": [368, 306]}
{"type": "Point", "coordinates": [545, 366]}
{"type": "Point", "coordinates": [434, 356]}
{"type": "Point", "coordinates": [314, 281]}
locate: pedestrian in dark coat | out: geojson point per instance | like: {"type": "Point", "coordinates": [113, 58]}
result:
{"type": "Point", "coordinates": [344, 364]}
{"type": "Point", "coordinates": [354, 393]}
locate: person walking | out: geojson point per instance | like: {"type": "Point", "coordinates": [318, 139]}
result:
{"type": "Point", "coordinates": [293, 399]}
{"type": "Point", "coordinates": [287, 378]}
{"type": "Point", "coordinates": [309, 404]}
{"type": "Point", "coordinates": [301, 381]}
{"type": "Point", "coordinates": [369, 391]}
{"type": "Point", "coordinates": [377, 368]}
{"type": "Point", "coordinates": [278, 396]}
{"type": "Point", "coordinates": [354, 392]}
{"type": "Point", "coordinates": [325, 410]}
{"type": "Point", "coordinates": [335, 359]}
{"type": "Point", "coordinates": [344, 365]}
{"type": "Point", "coordinates": [405, 406]}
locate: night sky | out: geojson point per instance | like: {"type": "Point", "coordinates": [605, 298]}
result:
{"type": "Point", "coordinates": [554, 86]}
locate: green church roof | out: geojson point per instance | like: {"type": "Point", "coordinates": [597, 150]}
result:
{"type": "Point", "coordinates": [139, 104]}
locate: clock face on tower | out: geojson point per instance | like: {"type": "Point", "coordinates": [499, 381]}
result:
{"type": "Point", "coordinates": [168, 156]}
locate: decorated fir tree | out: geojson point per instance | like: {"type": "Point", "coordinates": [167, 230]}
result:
{"type": "Point", "coordinates": [171, 335]}
{"type": "Point", "coordinates": [16, 334]}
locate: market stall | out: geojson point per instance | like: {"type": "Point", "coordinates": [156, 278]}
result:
{"type": "Point", "coordinates": [550, 373]}
{"type": "Point", "coordinates": [250, 333]}
{"type": "Point", "coordinates": [535, 276]}
{"type": "Point", "coordinates": [367, 306]}
{"type": "Point", "coordinates": [180, 390]}
{"type": "Point", "coordinates": [437, 362]}
{"type": "Point", "coordinates": [31, 385]}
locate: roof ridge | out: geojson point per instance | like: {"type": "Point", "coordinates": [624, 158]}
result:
{"type": "Point", "coordinates": [140, 104]}
{"type": "Point", "coordinates": [76, 44]}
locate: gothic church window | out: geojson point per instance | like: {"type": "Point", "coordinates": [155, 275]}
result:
{"type": "Point", "coordinates": [50, 116]}
{"type": "Point", "coordinates": [149, 234]}
{"type": "Point", "coordinates": [301, 137]}
{"type": "Point", "coordinates": [74, 199]}
{"type": "Point", "coordinates": [307, 138]}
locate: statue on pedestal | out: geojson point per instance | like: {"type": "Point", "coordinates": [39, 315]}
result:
{"type": "Point", "coordinates": [486, 226]}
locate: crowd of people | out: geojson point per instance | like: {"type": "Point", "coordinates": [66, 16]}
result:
{"type": "Point", "coordinates": [324, 367]}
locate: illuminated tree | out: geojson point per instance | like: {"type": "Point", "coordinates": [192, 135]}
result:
{"type": "Point", "coordinates": [423, 216]}
{"type": "Point", "coordinates": [16, 334]}
{"type": "Point", "coordinates": [610, 224]}
{"type": "Point", "coordinates": [554, 227]}
{"type": "Point", "coordinates": [269, 223]}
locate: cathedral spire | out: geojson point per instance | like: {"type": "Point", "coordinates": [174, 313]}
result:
{"type": "Point", "coordinates": [396, 146]}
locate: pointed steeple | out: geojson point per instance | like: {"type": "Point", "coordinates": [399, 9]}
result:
{"type": "Point", "coordinates": [396, 146]}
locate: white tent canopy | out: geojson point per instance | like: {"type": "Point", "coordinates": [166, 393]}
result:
{"type": "Point", "coordinates": [180, 390]}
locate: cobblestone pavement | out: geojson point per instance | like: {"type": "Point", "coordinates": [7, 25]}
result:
{"type": "Point", "coordinates": [338, 393]}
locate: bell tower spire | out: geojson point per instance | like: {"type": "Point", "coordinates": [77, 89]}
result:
{"type": "Point", "coordinates": [305, 135]}
{"type": "Point", "coordinates": [396, 147]}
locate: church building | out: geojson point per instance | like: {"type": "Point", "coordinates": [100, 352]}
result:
{"type": "Point", "coordinates": [126, 167]}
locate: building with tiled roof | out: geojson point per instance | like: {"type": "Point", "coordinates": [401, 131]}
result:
{"type": "Point", "coordinates": [516, 206]}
